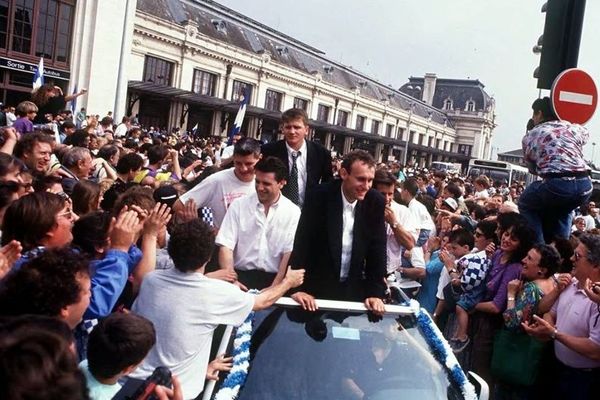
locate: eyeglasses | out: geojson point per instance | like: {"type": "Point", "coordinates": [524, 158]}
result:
{"type": "Point", "coordinates": [478, 234]}
{"type": "Point", "coordinates": [69, 214]}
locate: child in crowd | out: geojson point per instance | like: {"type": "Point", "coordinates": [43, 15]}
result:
{"type": "Point", "coordinates": [26, 110]}
{"type": "Point", "coordinates": [465, 286]}
{"type": "Point", "coordinates": [116, 346]}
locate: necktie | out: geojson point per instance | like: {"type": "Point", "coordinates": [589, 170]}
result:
{"type": "Point", "coordinates": [293, 191]}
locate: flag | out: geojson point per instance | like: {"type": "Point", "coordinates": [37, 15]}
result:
{"type": "Point", "coordinates": [239, 119]}
{"type": "Point", "coordinates": [38, 75]}
{"type": "Point", "coordinates": [74, 101]}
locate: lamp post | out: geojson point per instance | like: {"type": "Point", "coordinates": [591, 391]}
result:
{"type": "Point", "coordinates": [405, 155]}
{"type": "Point", "coordinates": [593, 151]}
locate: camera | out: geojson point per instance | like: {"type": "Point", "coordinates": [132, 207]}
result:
{"type": "Point", "coordinates": [136, 389]}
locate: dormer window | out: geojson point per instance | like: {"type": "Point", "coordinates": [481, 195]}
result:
{"type": "Point", "coordinates": [470, 106]}
{"type": "Point", "coordinates": [219, 25]}
{"type": "Point", "coordinates": [448, 104]}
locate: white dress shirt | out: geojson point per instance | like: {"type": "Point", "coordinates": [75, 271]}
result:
{"type": "Point", "coordinates": [259, 241]}
{"type": "Point", "coordinates": [406, 220]}
{"type": "Point", "coordinates": [301, 166]}
{"type": "Point", "coordinates": [347, 235]}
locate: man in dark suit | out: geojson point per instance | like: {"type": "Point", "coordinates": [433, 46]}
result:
{"type": "Point", "coordinates": [308, 163]}
{"type": "Point", "coordinates": [341, 239]}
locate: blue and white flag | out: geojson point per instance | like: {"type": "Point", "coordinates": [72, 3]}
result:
{"type": "Point", "coordinates": [38, 75]}
{"type": "Point", "coordinates": [239, 119]}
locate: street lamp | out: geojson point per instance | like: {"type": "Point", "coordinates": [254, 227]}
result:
{"type": "Point", "coordinates": [593, 150]}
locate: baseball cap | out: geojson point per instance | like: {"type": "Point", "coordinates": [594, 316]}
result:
{"type": "Point", "coordinates": [166, 194]}
{"type": "Point", "coordinates": [451, 203]}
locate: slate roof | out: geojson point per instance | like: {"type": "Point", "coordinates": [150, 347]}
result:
{"type": "Point", "coordinates": [513, 153]}
{"type": "Point", "coordinates": [252, 36]}
{"type": "Point", "coordinates": [458, 90]}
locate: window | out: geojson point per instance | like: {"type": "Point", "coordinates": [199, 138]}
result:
{"type": "Point", "coordinates": [273, 100]}
{"type": "Point", "coordinates": [158, 71]}
{"type": "Point", "coordinates": [23, 26]}
{"type": "Point", "coordinates": [342, 118]}
{"type": "Point", "coordinates": [448, 104]}
{"type": "Point", "coordinates": [389, 130]}
{"type": "Point", "coordinates": [375, 127]}
{"type": "Point", "coordinates": [430, 141]}
{"type": "Point", "coordinates": [3, 23]}
{"type": "Point", "coordinates": [204, 83]}
{"type": "Point", "coordinates": [437, 143]}
{"type": "Point", "coordinates": [412, 137]}
{"type": "Point", "coordinates": [360, 123]}
{"type": "Point", "coordinates": [421, 139]}
{"type": "Point", "coordinates": [63, 37]}
{"type": "Point", "coordinates": [470, 105]}
{"type": "Point", "coordinates": [445, 145]}
{"type": "Point", "coordinates": [323, 113]}
{"type": "Point", "coordinates": [46, 25]}
{"type": "Point", "coordinates": [464, 149]}
{"type": "Point", "coordinates": [301, 103]}
{"type": "Point", "coordinates": [241, 89]}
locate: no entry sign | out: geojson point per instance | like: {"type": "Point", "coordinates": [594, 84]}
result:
{"type": "Point", "coordinates": [574, 96]}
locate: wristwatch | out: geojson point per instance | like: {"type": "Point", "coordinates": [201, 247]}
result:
{"type": "Point", "coordinates": [452, 271]}
{"type": "Point", "coordinates": [553, 336]}
{"type": "Point", "coordinates": [395, 225]}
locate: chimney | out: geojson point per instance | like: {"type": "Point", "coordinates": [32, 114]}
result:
{"type": "Point", "coordinates": [429, 88]}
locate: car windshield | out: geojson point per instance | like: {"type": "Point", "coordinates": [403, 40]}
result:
{"type": "Point", "coordinates": [341, 355]}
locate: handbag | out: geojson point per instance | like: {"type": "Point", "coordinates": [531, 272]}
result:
{"type": "Point", "coordinates": [516, 357]}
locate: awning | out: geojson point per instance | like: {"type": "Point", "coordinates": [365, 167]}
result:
{"type": "Point", "coordinates": [172, 93]}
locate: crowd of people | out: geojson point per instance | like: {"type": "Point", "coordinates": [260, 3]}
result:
{"type": "Point", "coordinates": [124, 248]}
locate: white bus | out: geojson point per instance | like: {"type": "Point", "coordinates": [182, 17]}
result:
{"type": "Point", "coordinates": [500, 171]}
{"type": "Point", "coordinates": [451, 168]}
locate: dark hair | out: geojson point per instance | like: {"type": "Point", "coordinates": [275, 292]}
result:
{"type": "Point", "coordinates": [440, 174]}
{"type": "Point", "coordinates": [107, 151]}
{"type": "Point", "coordinates": [506, 220]}
{"type": "Point", "coordinates": [129, 162]}
{"type": "Point", "coordinates": [383, 177]}
{"type": "Point", "coordinates": [479, 212]}
{"type": "Point", "coordinates": [543, 104]}
{"type": "Point", "coordinates": [136, 195]}
{"type": "Point", "coordinates": [428, 201]}
{"type": "Point", "coordinates": [45, 285]}
{"type": "Point", "coordinates": [67, 125]}
{"type": "Point", "coordinates": [462, 237]}
{"type": "Point", "coordinates": [38, 364]}
{"type": "Point", "coordinates": [293, 114]}
{"type": "Point", "coordinates": [357, 155]}
{"type": "Point", "coordinates": [90, 232]}
{"type": "Point", "coordinates": [9, 163]}
{"type": "Point", "coordinates": [30, 218]}
{"type": "Point", "coordinates": [42, 182]}
{"type": "Point", "coordinates": [550, 258]}
{"type": "Point", "coordinates": [525, 235]}
{"type": "Point", "coordinates": [592, 244]}
{"type": "Point", "coordinates": [157, 154]}
{"type": "Point", "coordinates": [79, 138]}
{"type": "Point", "coordinates": [274, 165]}
{"type": "Point", "coordinates": [454, 190]}
{"type": "Point", "coordinates": [85, 196]}
{"type": "Point", "coordinates": [28, 142]}
{"type": "Point", "coordinates": [191, 245]}
{"type": "Point", "coordinates": [411, 186]}
{"type": "Point", "coordinates": [566, 249]}
{"type": "Point", "coordinates": [488, 228]}
{"type": "Point", "coordinates": [246, 146]}
{"type": "Point", "coordinates": [8, 191]}
{"type": "Point", "coordinates": [117, 342]}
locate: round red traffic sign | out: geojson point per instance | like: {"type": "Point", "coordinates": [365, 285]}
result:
{"type": "Point", "coordinates": [574, 96]}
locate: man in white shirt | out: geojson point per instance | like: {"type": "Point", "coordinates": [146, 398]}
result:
{"type": "Point", "coordinates": [425, 223]}
{"type": "Point", "coordinates": [219, 190]}
{"type": "Point", "coordinates": [123, 127]}
{"type": "Point", "coordinates": [186, 307]}
{"type": "Point", "coordinates": [257, 234]}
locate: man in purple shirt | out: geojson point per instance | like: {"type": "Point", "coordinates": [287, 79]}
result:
{"type": "Point", "coordinates": [574, 325]}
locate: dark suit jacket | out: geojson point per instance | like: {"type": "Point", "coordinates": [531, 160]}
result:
{"type": "Point", "coordinates": [318, 162]}
{"type": "Point", "coordinates": [318, 245]}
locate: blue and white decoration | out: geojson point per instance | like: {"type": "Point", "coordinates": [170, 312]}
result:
{"type": "Point", "coordinates": [241, 361]}
{"type": "Point", "coordinates": [38, 76]}
{"type": "Point", "coordinates": [239, 118]}
{"type": "Point", "coordinates": [442, 352]}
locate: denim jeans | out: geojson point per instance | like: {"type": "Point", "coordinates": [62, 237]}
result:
{"type": "Point", "coordinates": [548, 205]}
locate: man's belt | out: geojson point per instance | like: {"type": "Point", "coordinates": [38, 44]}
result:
{"type": "Point", "coordinates": [576, 174]}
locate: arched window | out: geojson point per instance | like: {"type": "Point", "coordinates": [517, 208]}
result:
{"type": "Point", "coordinates": [470, 105]}
{"type": "Point", "coordinates": [448, 104]}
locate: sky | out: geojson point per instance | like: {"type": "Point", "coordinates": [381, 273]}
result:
{"type": "Point", "coordinates": [391, 40]}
